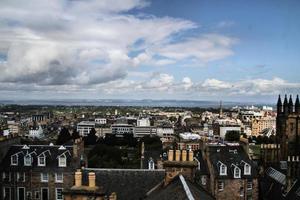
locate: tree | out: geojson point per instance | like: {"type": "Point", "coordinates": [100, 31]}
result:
{"type": "Point", "coordinates": [232, 136]}
{"type": "Point", "coordinates": [63, 137]}
{"type": "Point", "coordinates": [91, 139]}
{"type": "Point", "coordinates": [75, 134]}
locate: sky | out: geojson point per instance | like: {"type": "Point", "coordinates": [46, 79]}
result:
{"type": "Point", "coordinates": [149, 49]}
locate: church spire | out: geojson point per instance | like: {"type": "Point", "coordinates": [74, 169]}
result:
{"type": "Point", "coordinates": [285, 105]}
{"type": "Point", "coordinates": [297, 105]}
{"type": "Point", "coordinates": [279, 105]}
{"type": "Point", "coordinates": [291, 105]}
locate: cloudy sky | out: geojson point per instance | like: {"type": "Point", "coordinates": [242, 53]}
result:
{"type": "Point", "coordinates": [141, 49]}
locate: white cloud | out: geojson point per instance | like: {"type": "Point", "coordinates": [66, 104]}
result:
{"type": "Point", "coordinates": [90, 42]}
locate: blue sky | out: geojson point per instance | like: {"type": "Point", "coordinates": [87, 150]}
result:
{"type": "Point", "coordinates": [162, 49]}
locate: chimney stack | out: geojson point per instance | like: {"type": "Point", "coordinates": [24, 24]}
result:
{"type": "Point", "coordinates": [171, 155]}
{"type": "Point", "coordinates": [92, 179]}
{"type": "Point", "coordinates": [177, 155]}
{"type": "Point", "coordinates": [78, 178]}
{"type": "Point", "coordinates": [184, 155]}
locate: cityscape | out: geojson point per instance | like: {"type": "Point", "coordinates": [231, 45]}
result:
{"type": "Point", "coordinates": [149, 100]}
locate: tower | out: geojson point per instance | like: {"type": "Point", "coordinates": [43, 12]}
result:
{"type": "Point", "coordinates": [221, 110]}
{"type": "Point", "coordinates": [288, 127]}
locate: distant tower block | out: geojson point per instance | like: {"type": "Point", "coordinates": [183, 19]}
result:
{"type": "Point", "coordinates": [116, 111]}
{"type": "Point", "coordinates": [221, 109]}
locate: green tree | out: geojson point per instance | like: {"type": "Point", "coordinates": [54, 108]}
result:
{"type": "Point", "coordinates": [232, 136]}
{"type": "Point", "coordinates": [91, 139]}
{"type": "Point", "coordinates": [63, 137]}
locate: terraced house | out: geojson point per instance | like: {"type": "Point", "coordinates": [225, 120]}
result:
{"type": "Point", "coordinates": [39, 172]}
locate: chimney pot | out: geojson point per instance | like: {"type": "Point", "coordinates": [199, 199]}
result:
{"type": "Point", "coordinates": [191, 155]}
{"type": "Point", "coordinates": [170, 155]}
{"type": "Point", "coordinates": [78, 178]}
{"type": "Point", "coordinates": [92, 179]}
{"type": "Point", "coordinates": [184, 155]}
{"type": "Point", "coordinates": [177, 156]}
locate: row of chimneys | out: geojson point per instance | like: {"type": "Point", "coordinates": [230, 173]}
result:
{"type": "Point", "coordinates": [288, 107]}
{"type": "Point", "coordinates": [293, 159]}
{"type": "Point", "coordinates": [180, 155]}
{"type": "Point", "coordinates": [92, 183]}
{"type": "Point", "coordinates": [78, 179]}
{"type": "Point", "coordinates": [270, 146]}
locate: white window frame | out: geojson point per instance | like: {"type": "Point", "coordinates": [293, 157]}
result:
{"type": "Point", "coordinates": [41, 194]}
{"type": "Point", "coordinates": [5, 175]}
{"type": "Point", "coordinates": [56, 178]}
{"type": "Point", "coordinates": [11, 160]}
{"type": "Point", "coordinates": [26, 159]}
{"type": "Point", "coordinates": [37, 193]}
{"type": "Point", "coordinates": [235, 174]}
{"type": "Point", "coordinates": [60, 163]}
{"type": "Point", "coordinates": [220, 185]}
{"type": "Point", "coordinates": [42, 177]}
{"type": "Point", "coordinates": [223, 169]}
{"type": "Point", "coordinates": [18, 192]}
{"type": "Point", "coordinates": [249, 183]}
{"type": "Point", "coordinates": [18, 176]}
{"type": "Point", "coordinates": [56, 194]}
{"type": "Point", "coordinates": [203, 180]}
{"type": "Point", "coordinates": [40, 158]}
{"type": "Point", "coordinates": [4, 192]}
{"type": "Point", "coordinates": [247, 169]}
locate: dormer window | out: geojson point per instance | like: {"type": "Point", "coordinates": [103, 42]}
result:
{"type": "Point", "coordinates": [42, 160]}
{"type": "Point", "coordinates": [247, 169]}
{"type": "Point", "coordinates": [62, 161]}
{"type": "Point", "coordinates": [27, 160]}
{"type": "Point", "coordinates": [14, 160]}
{"type": "Point", "coordinates": [237, 172]}
{"type": "Point", "coordinates": [223, 169]}
{"type": "Point", "coordinates": [151, 165]}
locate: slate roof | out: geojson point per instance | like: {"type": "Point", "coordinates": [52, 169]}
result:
{"type": "Point", "coordinates": [129, 184]}
{"type": "Point", "coordinates": [272, 186]}
{"type": "Point", "coordinates": [50, 151]}
{"type": "Point", "coordinates": [231, 156]}
{"type": "Point", "coordinates": [203, 164]}
{"type": "Point", "coordinates": [176, 191]}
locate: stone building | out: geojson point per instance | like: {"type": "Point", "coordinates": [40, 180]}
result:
{"type": "Point", "coordinates": [232, 175]}
{"type": "Point", "coordinates": [288, 127]}
{"type": "Point", "coordinates": [39, 171]}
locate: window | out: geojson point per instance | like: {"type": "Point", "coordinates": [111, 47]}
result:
{"type": "Point", "coordinates": [62, 161]}
{"type": "Point", "coordinates": [58, 194]}
{"type": "Point", "coordinates": [59, 177]}
{"type": "Point", "coordinates": [14, 160]}
{"type": "Point", "coordinates": [44, 177]}
{"type": "Point", "coordinates": [237, 172]}
{"type": "Point", "coordinates": [249, 185]}
{"type": "Point", "coordinates": [220, 185]}
{"type": "Point", "coordinates": [151, 164]}
{"type": "Point", "coordinates": [21, 177]}
{"type": "Point", "coordinates": [42, 160]}
{"type": "Point", "coordinates": [45, 194]}
{"type": "Point", "coordinates": [223, 169]}
{"type": "Point", "coordinates": [28, 195]}
{"type": "Point", "coordinates": [6, 176]}
{"type": "Point", "coordinates": [37, 195]}
{"type": "Point", "coordinates": [21, 193]}
{"type": "Point", "coordinates": [27, 160]}
{"type": "Point", "coordinates": [6, 193]}
{"type": "Point", "coordinates": [203, 180]}
{"type": "Point", "coordinates": [247, 169]}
